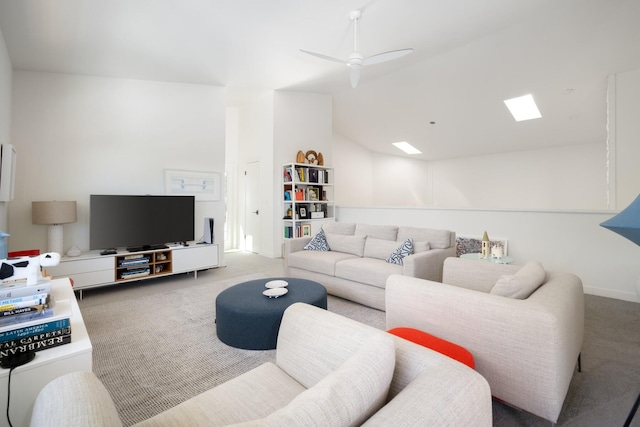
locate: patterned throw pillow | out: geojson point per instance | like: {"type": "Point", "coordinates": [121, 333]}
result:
{"type": "Point", "coordinates": [405, 250]}
{"type": "Point", "coordinates": [318, 243]}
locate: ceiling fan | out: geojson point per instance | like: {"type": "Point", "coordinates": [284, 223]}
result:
{"type": "Point", "coordinates": [356, 60]}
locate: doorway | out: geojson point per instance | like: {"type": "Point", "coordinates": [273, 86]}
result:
{"type": "Point", "coordinates": [252, 207]}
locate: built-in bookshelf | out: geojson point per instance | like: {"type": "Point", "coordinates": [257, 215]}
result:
{"type": "Point", "coordinates": [307, 194]}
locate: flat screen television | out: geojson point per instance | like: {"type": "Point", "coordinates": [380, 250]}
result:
{"type": "Point", "coordinates": [140, 222]}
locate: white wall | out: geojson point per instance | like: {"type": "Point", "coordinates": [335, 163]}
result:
{"type": "Point", "coordinates": [255, 144]}
{"type": "Point", "coordinates": [627, 137]}
{"type": "Point", "coordinates": [5, 116]}
{"type": "Point", "coordinates": [563, 241]}
{"type": "Point", "coordinates": [79, 135]}
{"type": "Point", "coordinates": [570, 177]}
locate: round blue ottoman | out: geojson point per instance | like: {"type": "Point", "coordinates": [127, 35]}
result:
{"type": "Point", "coordinates": [247, 319]}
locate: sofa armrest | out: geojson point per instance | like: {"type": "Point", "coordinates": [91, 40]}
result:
{"type": "Point", "coordinates": [427, 265]}
{"type": "Point", "coordinates": [295, 245]}
{"type": "Point", "coordinates": [438, 397]}
{"type": "Point", "coordinates": [536, 340]}
{"type": "Point", "coordinates": [75, 399]}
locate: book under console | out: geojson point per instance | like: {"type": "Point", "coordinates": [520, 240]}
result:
{"type": "Point", "coordinates": [91, 269]}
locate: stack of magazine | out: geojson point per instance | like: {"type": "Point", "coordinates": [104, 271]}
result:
{"type": "Point", "coordinates": [137, 265]}
{"type": "Point", "coordinates": [31, 319]}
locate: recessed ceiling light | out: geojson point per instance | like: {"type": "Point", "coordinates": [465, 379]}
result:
{"type": "Point", "coordinates": [407, 148]}
{"type": "Point", "coordinates": [523, 108]}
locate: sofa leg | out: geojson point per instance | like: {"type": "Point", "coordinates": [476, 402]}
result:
{"type": "Point", "coordinates": [579, 362]}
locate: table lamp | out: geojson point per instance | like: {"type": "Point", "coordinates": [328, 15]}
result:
{"type": "Point", "coordinates": [54, 214]}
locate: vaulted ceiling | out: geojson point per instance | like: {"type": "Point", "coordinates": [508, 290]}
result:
{"type": "Point", "coordinates": [446, 98]}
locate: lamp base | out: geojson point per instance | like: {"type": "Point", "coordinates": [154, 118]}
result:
{"type": "Point", "coordinates": [55, 238]}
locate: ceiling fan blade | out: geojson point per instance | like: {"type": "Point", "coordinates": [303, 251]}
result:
{"type": "Point", "coordinates": [354, 76]}
{"type": "Point", "coordinates": [386, 56]}
{"type": "Point", "coordinates": [319, 55]}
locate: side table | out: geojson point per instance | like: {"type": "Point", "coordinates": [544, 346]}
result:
{"type": "Point", "coordinates": [27, 380]}
{"type": "Point", "coordinates": [478, 257]}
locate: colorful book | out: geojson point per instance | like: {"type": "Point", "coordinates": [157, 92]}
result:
{"type": "Point", "coordinates": [36, 346]}
{"type": "Point", "coordinates": [35, 338]}
{"type": "Point", "coordinates": [27, 314]}
{"type": "Point", "coordinates": [38, 298]}
{"type": "Point", "coordinates": [39, 328]}
{"type": "Point", "coordinates": [8, 292]}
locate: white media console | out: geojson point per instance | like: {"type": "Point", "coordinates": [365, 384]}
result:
{"type": "Point", "coordinates": [92, 269]}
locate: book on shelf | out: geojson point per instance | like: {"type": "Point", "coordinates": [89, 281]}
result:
{"type": "Point", "coordinates": [287, 175]}
{"type": "Point", "coordinates": [60, 332]}
{"type": "Point", "coordinates": [22, 290]}
{"type": "Point", "coordinates": [20, 331]}
{"type": "Point", "coordinates": [36, 346]}
{"type": "Point", "coordinates": [135, 272]}
{"type": "Point", "coordinates": [137, 261]}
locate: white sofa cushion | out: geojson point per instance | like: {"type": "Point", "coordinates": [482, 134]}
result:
{"type": "Point", "coordinates": [347, 244]}
{"type": "Point", "coordinates": [421, 247]}
{"type": "Point", "coordinates": [379, 248]}
{"type": "Point", "coordinates": [371, 271]}
{"type": "Point", "coordinates": [252, 395]}
{"type": "Point", "coordinates": [385, 232]}
{"type": "Point", "coordinates": [438, 239]}
{"type": "Point", "coordinates": [523, 283]}
{"type": "Point", "coordinates": [347, 396]}
{"type": "Point", "coordinates": [318, 261]}
{"type": "Point", "coordinates": [333, 227]}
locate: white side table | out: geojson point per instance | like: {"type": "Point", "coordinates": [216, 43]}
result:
{"type": "Point", "coordinates": [478, 257]}
{"type": "Point", "coordinates": [27, 380]}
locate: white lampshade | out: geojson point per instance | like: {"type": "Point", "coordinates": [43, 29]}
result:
{"type": "Point", "coordinates": [54, 214]}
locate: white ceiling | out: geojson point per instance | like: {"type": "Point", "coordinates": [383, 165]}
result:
{"type": "Point", "coordinates": [469, 56]}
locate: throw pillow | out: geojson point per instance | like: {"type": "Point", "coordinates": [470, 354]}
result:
{"type": "Point", "coordinates": [318, 243]}
{"type": "Point", "coordinates": [522, 284]}
{"type": "Point", "coordinates": [404, 250]}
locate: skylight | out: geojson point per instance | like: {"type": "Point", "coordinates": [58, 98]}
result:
{"type": "Point", "coordinates": [407, 148]}
{"type": "Point", "coordinates": [523, 108]}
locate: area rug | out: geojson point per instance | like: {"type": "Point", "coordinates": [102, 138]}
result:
{"type": "Point", "coordinates": [157, 351]}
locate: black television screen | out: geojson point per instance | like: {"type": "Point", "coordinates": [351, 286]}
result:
{"type": "Point", "coordinates": [140, 222]}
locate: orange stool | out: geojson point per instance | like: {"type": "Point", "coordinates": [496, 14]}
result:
{"type": "Point", "coordinates": [447, 348]}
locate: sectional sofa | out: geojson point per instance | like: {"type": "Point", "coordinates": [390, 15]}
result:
{"type": "Point", "coordinates": [524, 325]}
{"type": "Point", "coordinates": [329, 371]}
{"type": "Point", "coordinates": [355, 261]}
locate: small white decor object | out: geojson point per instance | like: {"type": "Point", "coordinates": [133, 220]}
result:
{"type": "Point", "coordinates": [275, 292]}
{"type": "Point", "coordinates": [276, 284]}
{"type": "Point", "coordinates": [74, 251]}
{"type": "Point", "coordinates": [496, 252]}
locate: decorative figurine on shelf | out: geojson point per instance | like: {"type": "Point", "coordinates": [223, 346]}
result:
{"type": "Point", "coordinates": [486, 246]}
{"type": "Point", "coordinates": [300, 157]}
{"type": "Point", "coordinates": [310, 157]}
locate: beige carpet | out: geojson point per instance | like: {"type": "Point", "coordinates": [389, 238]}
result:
{"type": "Point", "coordinates": [156, 351]}
{"type": "Point", "coordinates": [159, 348]}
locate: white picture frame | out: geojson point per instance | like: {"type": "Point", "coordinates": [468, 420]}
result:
{"type": "Point", "coordinates": [205, 186]}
